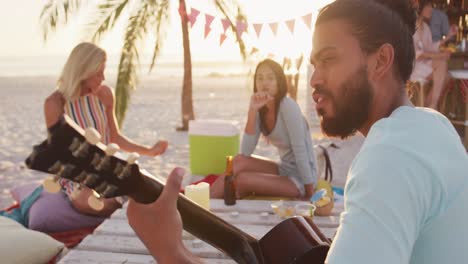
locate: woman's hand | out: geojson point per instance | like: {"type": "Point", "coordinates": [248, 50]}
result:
{"type": "Point", "coordinates": [259, 99]}
{"type": "Point", "coordinates": [159, 148]}
{"type": "Point", "coordinates": [309, 191]}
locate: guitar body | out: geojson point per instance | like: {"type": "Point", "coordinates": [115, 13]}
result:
{"type": "Point", "coordinates": [295, 240]}
{"type": "Point", "coordinates": [67, 154]}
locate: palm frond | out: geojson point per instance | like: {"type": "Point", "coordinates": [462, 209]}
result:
{"type": "Point", "coordinates": [129, 58]}
{"type": "Point", "coordinates": [56, 12]}
{"type": "Point", "coordinates": [161, 21]}
{"type": "Point", "coordinates": [105, 17]}
{"type": "Point", "coordinates": [227, 9]}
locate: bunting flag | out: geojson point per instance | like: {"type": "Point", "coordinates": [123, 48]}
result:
{"type": "Point", "coordinates": [182, 11]}
{"type": "Point", "coordinates": [290, 24]}
{"type": "Point", "coordinates": [222, 38]}
{"type": "Point", "coordinates": [207, 32]}
{"type": "Point", "coordinates": [307, 20]}
{"type": "Point", "coordinates": [226, 23]}
{"type": "Point", "coordinates": [258, 29]}
{"type": "Point", "coordinates": [240, 28]}
{"type": "Point", "coordinates": [274, 27]}
{"type": "Point", "coordinates": [208, 20]}
{"type": "Point", "coordinates": [254, 50]}
{"type": "Point", "coordinates": [193, 16]}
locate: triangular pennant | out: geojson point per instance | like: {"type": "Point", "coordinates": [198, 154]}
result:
{"type": "Point", "coordinates": [240, 28]}
{"type": "Point", "coordinates": [207, 30]}
{"type": "Point", "coordinates": [182, 11]}
{"type": "Point", "coordinates": [254, 50]}
{"type": "Point", "coordinates": [274, 27]}
{"type": "Point", "coordinates": [307, 20]}
{"type": "Point", "coordinates": [208, 20]}
{"type": "Point", "coordinates": [222, 38]}
{"type": "Point", "coordinates": [193, 16]}
{"type": "Point", "coordinates": [258, 29]}
{"type": "Point", "coordinates": [226, 23]}
{"type": "Point", "coordinates": [290, 24]}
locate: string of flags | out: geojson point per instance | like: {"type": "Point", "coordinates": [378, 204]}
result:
{"type": "Point", "coordinates": [219, 26]}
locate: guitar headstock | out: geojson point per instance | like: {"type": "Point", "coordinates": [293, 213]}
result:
{"type": "Point", "coordinates": [78, 155]}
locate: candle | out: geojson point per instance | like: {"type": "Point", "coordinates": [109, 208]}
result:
{"type": "Point", "coordinates": [199, 193]}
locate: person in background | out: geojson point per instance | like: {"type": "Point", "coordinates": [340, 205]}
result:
{"type": "Point", "coordinates": [431, 63]}
{"type": "Point", "coordinates": [279, 119]}
{"type": "Point", "coordinates": [439, 24]}
{"type": "Point", "coordinates": [404, 202]}
{"type": "Point", "coordinates": [81, 95]}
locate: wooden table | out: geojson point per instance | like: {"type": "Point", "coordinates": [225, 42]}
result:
{"type": "Point", "coordinates": [115, 242]}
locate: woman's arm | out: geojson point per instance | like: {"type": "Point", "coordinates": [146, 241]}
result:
{"type": "Point", "coordinates": [53, 108]}
{"type": "Point", "coordinates": [434, 55]}
{"type": "Point", "coordinates": [251, 133]}
{"type": "Point", "coordinates": [295, 126]}
{"type": "Point", "coordinates": [107, 98]}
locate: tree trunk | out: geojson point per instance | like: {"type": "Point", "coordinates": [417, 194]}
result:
{"type": "Point", "coordinates": [187, 102]}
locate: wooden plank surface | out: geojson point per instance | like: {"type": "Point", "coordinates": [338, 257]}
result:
{"type": "Point", "coordinates": [115, 242]}
{"type": "Point", "coordinates": [120, 227]}
{"type": "Point", "coordinates": [133, 245]}
{"type": "Point", "coordinates": [94, 257]}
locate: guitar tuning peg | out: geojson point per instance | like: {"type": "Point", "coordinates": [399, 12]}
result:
{"type": "Point", "coordinates": [92, 136]}
{"type": "Point", "coordinates": [109, 191]}
{"type": "Point", "coordinates": [63, 171]}
{"type": "Point", "coordinates": [90, 180]}
{"type": "Point", "coordinates": [103, 163]}
{"type": "Point", "coordinates": [111, 149]}
{"type": "Point", "coordinates": [80, 149]}
{"type": "Point", "coordinates": [101, 187]}
{"type": "Point", "coordinates": [95, 202]}
{"type": "Point", "coordinates": [51, 184]}
{"type": "Point", "coordinates": [75, 144]}
{"type": "Point", "coordinates": [123, 172]}
{"type": "Point", "coordinates": [132, 158]}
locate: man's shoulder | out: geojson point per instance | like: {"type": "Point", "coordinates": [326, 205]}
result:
{"type": "Point", "coordinates": [438, 14]}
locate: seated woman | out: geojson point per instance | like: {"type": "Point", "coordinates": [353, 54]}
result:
{"type": "Point", "coordinates": [430, 62]}
{"type": "Point", "coordinates": [82, 96]}
{"type": "Point", "coordinates": [279, 119]}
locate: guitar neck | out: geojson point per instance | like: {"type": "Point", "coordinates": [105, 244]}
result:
{"type": "Point", "coordinates": [201, 223]}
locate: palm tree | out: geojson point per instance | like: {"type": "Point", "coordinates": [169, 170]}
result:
{"type": "Point", "coordinates": [145, 16]}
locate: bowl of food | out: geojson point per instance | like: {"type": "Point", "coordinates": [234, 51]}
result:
{"type": "Point", "coordinates": [285, 209]}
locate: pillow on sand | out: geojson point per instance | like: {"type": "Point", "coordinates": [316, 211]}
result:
{"type": "Point", "coordinates": [53, 212]}
{"type": "Point", "coordinates": [19, 245]}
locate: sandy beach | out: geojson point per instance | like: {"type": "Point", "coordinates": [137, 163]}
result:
{"type": "Point", "coordinates": [154, 113]}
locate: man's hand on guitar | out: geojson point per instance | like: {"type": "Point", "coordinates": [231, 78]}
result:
{"type": "Point", "coordinates": [159, 225]}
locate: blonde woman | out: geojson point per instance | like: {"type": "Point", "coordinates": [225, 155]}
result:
{"type": "Point", "coordinates": [82, 96]}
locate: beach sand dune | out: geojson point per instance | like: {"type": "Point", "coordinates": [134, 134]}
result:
{"type": "Point", "coordinates": [154, 113]}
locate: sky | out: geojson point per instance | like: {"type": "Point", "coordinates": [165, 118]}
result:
{"type": "Point", "coordinates": [21, 31]}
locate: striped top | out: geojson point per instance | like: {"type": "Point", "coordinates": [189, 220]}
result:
{"type": "Point", "coordinates": [89, 111]}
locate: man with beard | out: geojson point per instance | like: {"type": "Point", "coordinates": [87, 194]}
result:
{"type": "Point", "coordinates": [407, 189]}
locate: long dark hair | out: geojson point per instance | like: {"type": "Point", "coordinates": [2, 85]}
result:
{"type": "Point", "coordinates": [282, 90]}
{"type": "Point", "coordinates": [377, 22]}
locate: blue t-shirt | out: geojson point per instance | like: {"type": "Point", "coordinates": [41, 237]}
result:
{"type": "Point", "coordinates": [439, 25]}
{"type": "Point", "coordinates": [406, 196]}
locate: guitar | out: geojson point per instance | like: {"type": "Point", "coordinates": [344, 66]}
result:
{"type": "Point", "coordinates": [68, 154]}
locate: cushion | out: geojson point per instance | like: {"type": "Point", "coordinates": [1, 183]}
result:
{"type": "Point", "coordinates": [53, 212]}
{"type": "Point", "coordinates": [19, 245]}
